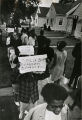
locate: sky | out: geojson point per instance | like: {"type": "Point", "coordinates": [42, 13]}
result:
{"type": "Point", "coordinates": [47, 3]}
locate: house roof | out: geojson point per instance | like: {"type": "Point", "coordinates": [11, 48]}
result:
{"type": "Point", "coordinates": [43, 11]}
{"type": "Point", "coordinates": [78, 11]}
{"type": "Point", "coordinates": [75, 3]}
{"type": "Point", "coordinates": [63, 9]}
{"type": "Point", "coordinates": [75, 7]}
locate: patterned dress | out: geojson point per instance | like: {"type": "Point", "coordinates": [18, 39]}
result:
{"type": "Point", "coordinates": [58, 69]}
{"type": "Point", "coordinates": [28, 88]}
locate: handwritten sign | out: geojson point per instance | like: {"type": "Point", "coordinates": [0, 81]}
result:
{"type": "Point", "coordinates": [32, 63]}
{"type": "Point", "coordinates": [9, 30]}
{"type": "Point", "coordinates": [2, 26]}
{"type": "Point", "coordinates": [26, 50]}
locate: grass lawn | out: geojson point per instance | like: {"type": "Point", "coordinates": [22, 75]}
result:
{"type": "Point", "coordinates": [5, 71]}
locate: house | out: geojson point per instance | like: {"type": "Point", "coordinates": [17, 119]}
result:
{"type": "Point", "coordinates": [56, 16]}
{"type": "Point", "coordinates": [39, 18]}
{"type": "Point", "coordinates": [74, 24]}
{"type": "Point", "coordinates": [74, 20]}
{"type": "Point", "coordinates": [78, 30]}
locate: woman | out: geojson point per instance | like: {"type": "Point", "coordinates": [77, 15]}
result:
{"type": "Point", "coordinates": [45, 49]}
{"type": "Point", "coordinates": [57, 69]}
{"type": "Point", "coordinates": [24, 37]}
{"type": "Point", "coordinates": [28, 91]}
{"type": "Point", "coordinates": [54, 108]}
{"type": "Point", "coordinates": [32, 38]}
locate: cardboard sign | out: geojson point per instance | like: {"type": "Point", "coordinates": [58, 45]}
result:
{"type": "Point", "coordinates": [32, 63]}
{"type": "Point", "coordinates": [2, 27]}
{"type": "Point", "coordinates": [26, 50]}
{"type": "Point", "coordinates": [9, 30]}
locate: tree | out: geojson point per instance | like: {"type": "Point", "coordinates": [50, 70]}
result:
{"type": "Point", "coordinates": [7, 6]}
{"type": "Point", "coordinates": [26, 9]}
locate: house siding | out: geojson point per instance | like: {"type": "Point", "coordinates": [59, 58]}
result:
{"type": "Point", "coordinates": [78, 32]}
{"type": "Point", "coordinates": [62, 27]}
{"type": "Point", "coordinates": [41, 21]}
{"type": "Point", "coordinates": [69, 25]}
{"type": "Point", "coordinates": [51, 16]}
{"type": "Point", "coordinates": [54, 18]}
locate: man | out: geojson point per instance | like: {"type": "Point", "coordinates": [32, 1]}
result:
{"type": "Point", "coordinates": [54, 108]}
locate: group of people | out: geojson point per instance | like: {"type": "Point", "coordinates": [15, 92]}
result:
{"type": "Point", "coordinates": [25, 86]}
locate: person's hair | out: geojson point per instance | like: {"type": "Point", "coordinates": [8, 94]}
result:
{"type": "Point", "coordinates": [41, 32]}
{"type": "Point", "coordinates": [61, 45]}
{"type": "Point", "coordinates": [23, 30]}
{"type": "Point", "coordinates": [52, 91]}
{"type": "Point", "coordinates": [32, 33]}
{"type": "Point", "coordinates": [17, 52]}
{"type": "Point", "coordinates": [48, 42]}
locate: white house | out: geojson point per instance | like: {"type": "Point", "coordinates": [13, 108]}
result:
{"type": "Point", "coordinates": [56, 17]}
{"type": "Point", "coordinates": [39, 18]}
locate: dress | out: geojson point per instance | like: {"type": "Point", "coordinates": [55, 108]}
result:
{"type": "Point", "coordinates": [58, 69]}
{"type": "Point", "coordinates": [28, 88]}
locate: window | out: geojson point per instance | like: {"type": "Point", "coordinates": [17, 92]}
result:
{"type": "Point", "coordinates": [47, 21]}
{"type": "Point", "coordinates": [61, 21]}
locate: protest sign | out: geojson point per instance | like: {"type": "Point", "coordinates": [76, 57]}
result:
{"type": "Point", "coordinates": [9, 30]}
{"type": "Point", "coordinates": [32, 63]}
{"type": "Point", "coordinates": [2, 27]}
{"type": "Point", "coordinates": [26, 50]}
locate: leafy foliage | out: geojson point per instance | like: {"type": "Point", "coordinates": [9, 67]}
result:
{"type": "Point", "coordinates": [7, 6]}
{"type": "Point", "coordinates": [24, 8]}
